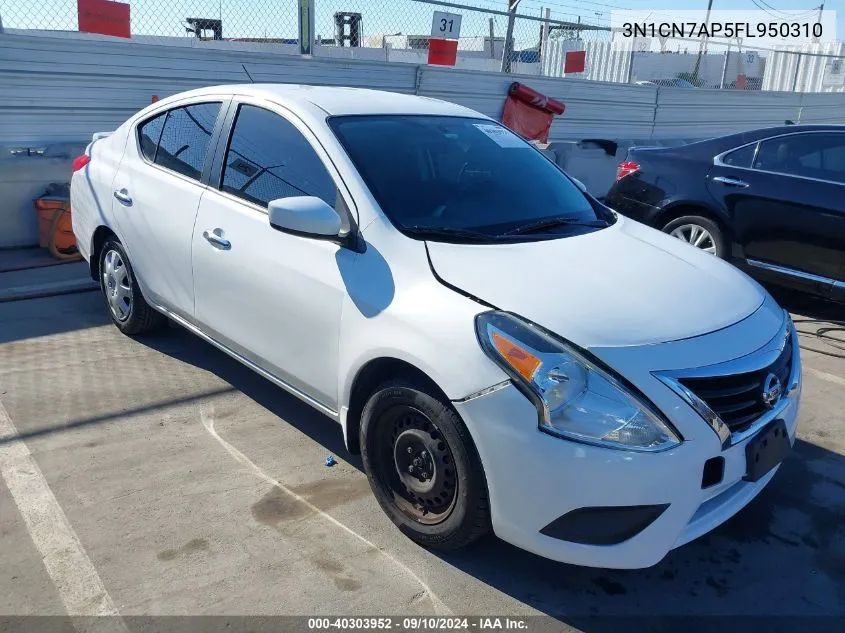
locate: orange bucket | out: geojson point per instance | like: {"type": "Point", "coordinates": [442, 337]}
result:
{"type": "Point", "coordinates": [55, 228]}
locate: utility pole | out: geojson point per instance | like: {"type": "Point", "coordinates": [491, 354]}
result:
{"type": "Point", "coordinates": [821, 9]}
{"type": "Point", "coordinates": [702, 45]}
{"type": "Point", "coordinates": [508, 49]}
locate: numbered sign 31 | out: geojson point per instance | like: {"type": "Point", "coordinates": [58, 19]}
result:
{"type": "Point", "coordinates": [446, 25]}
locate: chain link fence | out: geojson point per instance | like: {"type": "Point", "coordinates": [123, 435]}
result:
{"type": "Point", "coordinates": [551, 39]}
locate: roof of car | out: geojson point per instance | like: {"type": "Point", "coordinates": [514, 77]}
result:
{"type": "Point", "coordinates": [712, 146]}
{"type": "Point", "coordinates": [341, 100]}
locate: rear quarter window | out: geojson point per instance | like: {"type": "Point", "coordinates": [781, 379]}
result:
{"type": "Point", "coordinates": [149, 134]}
{"type": "Point", "coordinates": [741, 157]}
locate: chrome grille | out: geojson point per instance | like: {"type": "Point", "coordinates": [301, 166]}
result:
{"type": "Point", "coordinates": [738, 398]}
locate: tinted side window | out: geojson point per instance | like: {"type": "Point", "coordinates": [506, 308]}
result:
{"type": "Point", "coordinates": [814, 155]}
{"type": "Point", "coordinates": [269, 159]}
{"type": "Point", "coordinates": [185, 138]}
{"type": "Point", "coordinates": [833, 160]}
{"type": "Point", "coordinates": [741, 157]}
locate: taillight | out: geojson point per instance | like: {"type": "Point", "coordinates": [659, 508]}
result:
{"type": "Point", "coordinates": [628, 167]}
{"type": "Point", "coordinates": [79, 162]}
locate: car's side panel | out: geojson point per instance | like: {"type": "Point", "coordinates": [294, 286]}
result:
{"type": "Point", "coordinates": [395, 308]}
{"type": "Point", "coordinates": [785, 225]}
{"type": "Point", "coordinates": [157, 224]}
{"type": "Point", "coordinates": [668, 183]}
{"type": "Point", "coordinates": [784, 221]}
{"type": "Point", "coordinates": [90, 192]}
{"type": "Point", "coordinates": [272, 297]}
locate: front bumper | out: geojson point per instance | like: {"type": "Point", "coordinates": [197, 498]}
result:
{"type": "Point", "coordinates": [534, 478]}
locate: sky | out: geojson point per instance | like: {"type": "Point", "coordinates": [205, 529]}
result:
{"type": "Point", "coordinates": [277, 18]}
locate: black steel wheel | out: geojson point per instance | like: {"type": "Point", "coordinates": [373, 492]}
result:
{"type": "Point", "coordinates": [423, 466]}
{"type": "Point", "coordinates": [417, 464]}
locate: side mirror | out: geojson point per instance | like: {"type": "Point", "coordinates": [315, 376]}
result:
{"type": "Point", "coordinates": [579, 184]}
{"type": "Point", "coordinates": [304, 215]}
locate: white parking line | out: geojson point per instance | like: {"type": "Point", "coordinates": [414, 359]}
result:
{"type": "Point", "coordinates": [207, 419]}
{"type": "Point", "coordinates": [70, 569]}
{"type": "Point", "coordinates": [837, 380]}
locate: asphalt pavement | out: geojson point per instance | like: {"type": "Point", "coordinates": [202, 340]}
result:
{"type": "Point", "coordinates": [157, 476]}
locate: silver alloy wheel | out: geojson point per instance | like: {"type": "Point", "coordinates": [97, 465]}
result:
{"type": "Point", "coordinates": [117, 285]}
{"type": "Point", "coordinates": [695, 235]}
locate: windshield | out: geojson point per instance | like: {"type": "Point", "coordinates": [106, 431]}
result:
{"type": "Point", "coordinates": [471, 179]}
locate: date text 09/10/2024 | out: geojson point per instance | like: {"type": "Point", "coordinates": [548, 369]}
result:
{"type": "Point", "coordinates": [418, 623]}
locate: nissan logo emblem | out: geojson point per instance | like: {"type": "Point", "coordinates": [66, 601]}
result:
{"type": "Point", "coordinates": [772, 391]}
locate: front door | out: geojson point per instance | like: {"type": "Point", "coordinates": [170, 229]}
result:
{"type": "Point", "coordinates": [157, 190]}
{"type": "Point", "coordinates": [788, 205]}
{"type": "Point", "coordinates": [272, 297]}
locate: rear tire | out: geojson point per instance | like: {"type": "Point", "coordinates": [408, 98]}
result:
{"type": "Point", "coordinates": [701, 232]}
{"type": "Point", "coordinates": [127, 307]}
{"type": "Point", "coordinates": [423, 467]}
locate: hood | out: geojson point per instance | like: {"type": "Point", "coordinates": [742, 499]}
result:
{"type": "Point", "coordinates": [624, 285]}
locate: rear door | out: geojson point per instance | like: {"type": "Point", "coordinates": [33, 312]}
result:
{"type": "Point", "coordinates": [786, 197]}
{"type": "Point", "coordinates": [155, 197]}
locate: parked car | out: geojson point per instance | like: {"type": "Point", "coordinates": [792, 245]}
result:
{"type": "Point", "coordinates": [501, 348]}
{"type": "Point", "coordinates": [771, 201]}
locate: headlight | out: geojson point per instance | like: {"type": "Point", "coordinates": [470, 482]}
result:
{"type": "Point", "coordinates": [576, 399]}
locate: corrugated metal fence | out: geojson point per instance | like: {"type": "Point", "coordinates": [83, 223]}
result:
{"type": "Point", "coordinates": [811, 68]}
{"type": "Point", "coordinates": [61, 89]}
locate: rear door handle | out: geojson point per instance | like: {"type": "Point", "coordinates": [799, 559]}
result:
{"type": "Point", "coordinates": [730, 182]}
{"type": "Point", "coordinates": [216, 240]}
{"type": "Point", "coordinates": [123, 197]}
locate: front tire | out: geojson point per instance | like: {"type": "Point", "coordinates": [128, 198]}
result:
{"type": "Point", "coordinates": [423, 467]}
{"type": "Point", "coordinates": [701, 232]}
{"type": "Point", "coordinates": [127, 307]}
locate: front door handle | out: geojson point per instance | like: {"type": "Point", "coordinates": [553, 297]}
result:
{"type": "Point", "coordinates": [216, 240]}
{"type": "Point", "coordinates": [730, 182]}
{"type": "Point", "coordinates": [123, 197]}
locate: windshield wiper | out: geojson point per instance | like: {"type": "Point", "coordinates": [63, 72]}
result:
{"type": "Point", "coordinates": [436, 231]}
{"type": "Point", "coordinates": [550, 223]}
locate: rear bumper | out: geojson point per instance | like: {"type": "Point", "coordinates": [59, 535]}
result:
{"type": "Point", "coordinates": [639, 211]}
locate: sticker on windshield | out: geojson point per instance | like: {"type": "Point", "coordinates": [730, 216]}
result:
{"type": "Point", "coordinates": [502, 137]}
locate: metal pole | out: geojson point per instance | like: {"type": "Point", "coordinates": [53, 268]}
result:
{"type": "Point", "coordinates": [703, 43]}
{"type": "Point", "coordinates": [506, 54]}
{"type": "Point", "coordinates": [544, 38]}
{"type": "Point", "coordinates": [795, 77]}
{"type": "Point", "coordinates": [306, 27]}
{"type": "Point", "coordinates": [725, 67]}
{"type": "Point", "coordinates": [492, 39]}
{"type": "Point", "coordinates": [631, 62]}
{"type": "Point", "coordinates": [821, 9]}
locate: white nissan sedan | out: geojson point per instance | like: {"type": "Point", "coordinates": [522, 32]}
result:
{"type": "Point", "coordinates": [504, 351]}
